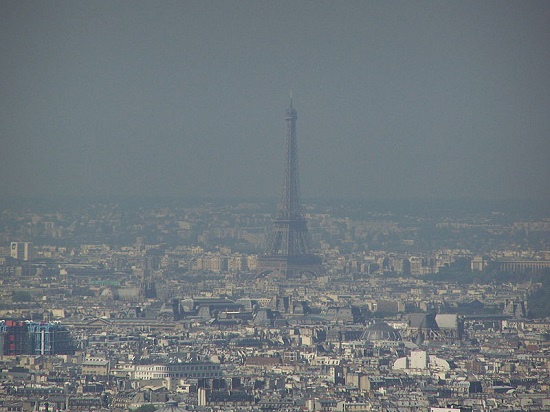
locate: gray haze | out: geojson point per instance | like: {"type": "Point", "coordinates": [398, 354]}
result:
{"type": "Point", "coordinates": [395, 99]}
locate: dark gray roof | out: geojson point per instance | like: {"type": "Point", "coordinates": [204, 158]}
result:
{"type": "Point", "coordinates": [171, 406]}
{"type": "Point", "coordinates": [380, 331]}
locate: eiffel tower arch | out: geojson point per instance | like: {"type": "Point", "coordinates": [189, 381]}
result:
{"type": "Point", "coordinates": [288, 250]}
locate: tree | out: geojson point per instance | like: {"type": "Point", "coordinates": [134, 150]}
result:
{"type": "Point", "coordinates": [539, 302]}
{"type": "Point", "coordinates": [21, 296]}
{"type": "Point", "coordinates": [146, 408]}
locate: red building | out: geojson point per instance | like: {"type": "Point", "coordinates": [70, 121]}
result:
{"type": "Point", "coordinates": [14, 337]}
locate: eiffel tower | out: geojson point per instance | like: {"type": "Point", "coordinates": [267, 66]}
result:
{"type": "Point", "coordinates": [288, 247]}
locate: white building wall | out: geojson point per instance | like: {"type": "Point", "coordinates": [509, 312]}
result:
{"type": "Point", "coordinates": [419, 359]}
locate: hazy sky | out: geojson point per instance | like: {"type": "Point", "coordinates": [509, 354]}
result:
{"type": "Point", "coordinates": [395, 99]}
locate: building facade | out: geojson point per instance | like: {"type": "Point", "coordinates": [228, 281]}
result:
{"type": "Point", "coordinates": [198, 370]}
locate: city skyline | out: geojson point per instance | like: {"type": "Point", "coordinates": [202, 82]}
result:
{"type": "Point", "coordinates": [420, 100]}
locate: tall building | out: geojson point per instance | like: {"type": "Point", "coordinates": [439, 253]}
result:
{"type": "Point", "coordinates": [288, 248]}
{"type": "Point", "coordinates": [147, 286]}
{"type": "Point", "coordinates": [21, 250]}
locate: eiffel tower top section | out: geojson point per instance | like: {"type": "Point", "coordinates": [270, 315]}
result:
{"type": "Point", "coordinates": [290, 207]}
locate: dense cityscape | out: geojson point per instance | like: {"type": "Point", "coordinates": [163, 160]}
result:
{"type": "Point", "coordinates": [124, 305]}
{"type": "Point", "coordinates": [173, 239]}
